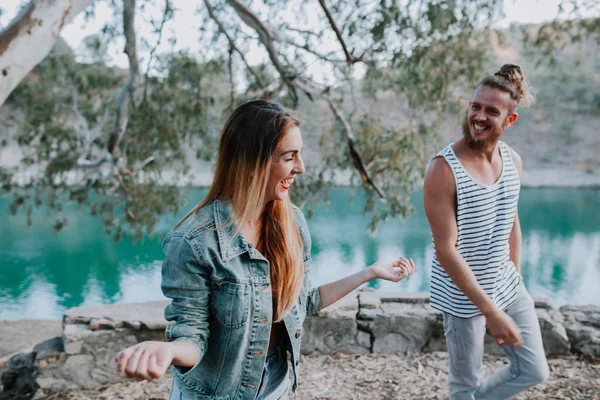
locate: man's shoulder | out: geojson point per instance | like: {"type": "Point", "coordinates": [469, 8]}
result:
{"type": "Point", "coordinates": [438, 168]}
{"type": "Point", "coordinates": [516, 158]}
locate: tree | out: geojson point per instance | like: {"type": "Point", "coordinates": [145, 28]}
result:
{"type": "Point", "coordinates": [420, 52]}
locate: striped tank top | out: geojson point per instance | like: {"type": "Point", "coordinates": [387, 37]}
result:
{"type": "Point", "coordinates": [485, 216]}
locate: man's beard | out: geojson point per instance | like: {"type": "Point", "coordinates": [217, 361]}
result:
{"type": "Point", "coordinates": [478, 144]}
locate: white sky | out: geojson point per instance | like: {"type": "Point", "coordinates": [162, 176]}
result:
{"type": "Point", "coordinates": [185, 24]}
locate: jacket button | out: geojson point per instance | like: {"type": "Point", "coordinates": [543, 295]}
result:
{"type": "Point", "coordinates": [298, 335]}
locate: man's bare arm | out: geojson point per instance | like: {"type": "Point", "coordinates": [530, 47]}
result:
{"type": "Point", "coordinates": [515, 238]}
{"type": "Point", "coordinates": [514, 242]}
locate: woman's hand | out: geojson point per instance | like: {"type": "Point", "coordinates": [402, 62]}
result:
{"type": "Point", "coordinates": [146, 360]}
{"type": "Point", "coordinates": [393, 271]}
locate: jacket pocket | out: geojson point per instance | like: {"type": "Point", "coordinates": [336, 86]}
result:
{"type": "Point", "coordinates": [230, 303]}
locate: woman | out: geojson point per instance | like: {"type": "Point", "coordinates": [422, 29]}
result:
{"type": "Point", "coordinates": [237, 270]}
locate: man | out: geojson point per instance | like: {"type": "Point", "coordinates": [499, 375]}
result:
{"type": "Point", "coordinates": [470, 195]}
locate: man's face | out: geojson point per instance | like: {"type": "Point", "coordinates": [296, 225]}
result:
{"type": "Point", "coordinates": [489, 114]}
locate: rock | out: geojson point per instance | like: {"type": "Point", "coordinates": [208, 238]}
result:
{"type": "Point", "coordinates": [77, 368]}
{"type": "Point", "coordinates": [399, 326]}
{"type": "Point", "coordinates": [104, 323]}
{"type": "Point", "coordinates": [587, 315]}
{"type": "Point", "coordinates": [49, 348]}
{"type": "Point", "coordinates": [335, 329]}
{"type": "Point", "coordinates": [19, 382]}
{"type": "Point", "coordinates": [149, 314]}
{"type": "Point", "coordinates": [369, 302]}
{"type": "Point", "coordinates": [132, 324]}
{"type": "Point", "coordinates": [543, 302]}
{"type": "Point", "coordinates": [554, 334]}
{"type": "Point", "coordinates": [583, 329]}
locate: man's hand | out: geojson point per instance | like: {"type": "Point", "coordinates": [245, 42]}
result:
{"type": "Point", "coordinates": [503, 329]}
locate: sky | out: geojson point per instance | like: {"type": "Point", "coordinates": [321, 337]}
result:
{"type": "Point", "coordinates": [186, 23]}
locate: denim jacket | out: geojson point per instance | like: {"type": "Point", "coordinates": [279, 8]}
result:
{"type": "Point", "coordinates": [222, 303]}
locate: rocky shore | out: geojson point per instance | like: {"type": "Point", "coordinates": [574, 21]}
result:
{"type": "Point", "coordinates": [368, 341]}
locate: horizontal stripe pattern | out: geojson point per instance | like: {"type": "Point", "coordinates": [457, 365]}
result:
{"type": "Point", "coordinates": [485, 216]}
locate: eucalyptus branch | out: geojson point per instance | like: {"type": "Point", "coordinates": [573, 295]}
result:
{"type": "Point", "coordinates": [313, 52]}
{"type": "Point", "coordinates": [231, 82]}
{"type": "Point", "coordinates": [213, 16]}
{"type": "Point", "coordinates": [354, 153]}
{"type": "Point", "coordinates": [268, 38]}
{"type": "Point", "coordinates": [349, 57]}
{"type": "Point", "coordinates": [126, 93]}
{"type": "Point", "coordinates": [146, 162]}
{"type": "Point", "coordinates": [89, 135]}
{"type": "Point", "coordinates": [305, 32]}
{"type": "Point", "coordinates": [165, 17]}
{"type": "Point", "coordinates": [357, 161]}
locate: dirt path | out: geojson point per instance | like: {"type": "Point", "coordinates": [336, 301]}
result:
{"type": "Point", "coordinates": [420, 376]}
{"type": "Point", "coordinates": [17, 336]}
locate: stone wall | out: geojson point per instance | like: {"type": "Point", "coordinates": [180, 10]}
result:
{"type": "Point", "coordinates": [363, 322]}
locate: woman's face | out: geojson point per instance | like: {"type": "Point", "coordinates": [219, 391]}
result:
{"type": "Point", "coordinates": [285, 164]}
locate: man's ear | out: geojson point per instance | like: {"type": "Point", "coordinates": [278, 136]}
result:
{"type": "Point", "coordinates": [511, 119]}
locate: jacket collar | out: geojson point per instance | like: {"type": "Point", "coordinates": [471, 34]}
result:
{"type": "Point", "coordinates": [230, 244]}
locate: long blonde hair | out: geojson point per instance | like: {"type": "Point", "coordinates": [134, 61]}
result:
{"type": "Point", "coordinates": [248, 141]}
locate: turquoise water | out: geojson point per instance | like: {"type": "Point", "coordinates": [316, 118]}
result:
{"type": "Point", "coordinates": [43, 273]}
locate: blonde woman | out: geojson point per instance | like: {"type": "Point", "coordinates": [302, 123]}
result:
{"type": "Point", "coordinates": [237, 270]}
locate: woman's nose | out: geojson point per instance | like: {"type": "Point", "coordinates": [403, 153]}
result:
{"type": "Point", "coordinates": [299, 168]}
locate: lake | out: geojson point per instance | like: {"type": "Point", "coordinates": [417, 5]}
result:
{"type": "Point", "coordinates": [43, 273]}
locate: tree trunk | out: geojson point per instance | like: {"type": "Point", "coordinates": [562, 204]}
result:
{"type": "Point", "coordinates": [30, 37]}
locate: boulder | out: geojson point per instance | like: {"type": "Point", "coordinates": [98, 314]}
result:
{"type": "Point", "coordinates": [335, 329]}
{"type": "Point", "coordinates": [583, 329]}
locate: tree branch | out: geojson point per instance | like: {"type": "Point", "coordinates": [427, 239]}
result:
{"type": "Point", "coordinates": [213, 16]}
{"type": "Point", "coordinates": [38, 26]}
{"type": "Point", "coordinates": [350, 139]}
{"type": "Point", "coordinates": [354, 154]}
{"type": "Point", "coordinates": [160, 31]}
{"type": "Point", "coordinates": [349, 57]}
{"type": "Point", "coordinates": [126, 92]}
{"type": "Point", "coordinates": [89, 135]}
{"type": "Point", "coordinates": [313, 52]}
{"type": "Point", "coordinates": [267, 37]}
{"type": "Point", "coordinates": [231, 82]}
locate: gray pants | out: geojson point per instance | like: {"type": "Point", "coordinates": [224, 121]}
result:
{"type": "Point", "coordinates": [464, 338]}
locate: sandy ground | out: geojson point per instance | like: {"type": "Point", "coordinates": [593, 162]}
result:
{"type": "Point", "coordinates": [336, 376]}
{"type": "Point", "coordinates": [16, 336]}
{"type": "Point", "coordinates": [420, 376]}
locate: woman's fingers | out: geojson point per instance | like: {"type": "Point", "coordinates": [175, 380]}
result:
{"type": "Point", "coordinates": [142, 368]}
{"type": "Point", "coordinates": [122, 360]}
{"type": "Point", "coordinates": [154, 370]}
{"type": "Point", "coordinates": [132, 363]}
{"type": "Point", "coordinates": [406, 265]}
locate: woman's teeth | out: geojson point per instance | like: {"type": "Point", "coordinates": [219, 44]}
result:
{"type": "Point", "coordinates": [286, 183]}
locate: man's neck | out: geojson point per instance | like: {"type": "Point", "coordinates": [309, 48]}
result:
{"type": "Point", "coordinates": [487, 151]}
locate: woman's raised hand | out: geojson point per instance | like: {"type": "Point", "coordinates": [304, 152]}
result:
{"type": "Point", "coordinates": [393, 271]}
{"type": "Point", "coordinates": [146, 360]}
